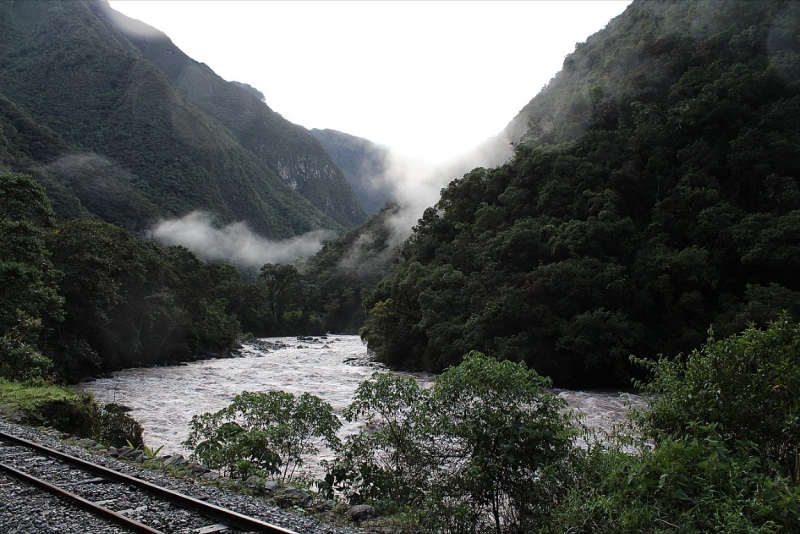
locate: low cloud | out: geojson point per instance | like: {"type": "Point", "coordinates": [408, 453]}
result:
{"type": "Point", "coordinates": [416, 185]}
{"type": "Point", "coordinates": [235, 243]}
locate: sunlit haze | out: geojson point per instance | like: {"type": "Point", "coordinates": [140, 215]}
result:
{"type": "Point", "coordinates": [429, 79]}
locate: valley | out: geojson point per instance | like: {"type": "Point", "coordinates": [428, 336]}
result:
{"type": "Point", "coordinates": [634, 227]}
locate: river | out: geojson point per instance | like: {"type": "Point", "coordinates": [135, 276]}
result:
{"type": "Point", "coordinates": [164, 399]}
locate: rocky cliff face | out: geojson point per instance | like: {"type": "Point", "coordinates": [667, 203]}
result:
{"type": "Point", "coordinates": [364, 164]}
{"type": "Point", "coordinates": [285, 148]}
{"type": "Point", "coordinates": [130, 130]}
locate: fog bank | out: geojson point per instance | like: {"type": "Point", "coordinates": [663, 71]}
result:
{"type": "Point", "coordinates": [235, 243]}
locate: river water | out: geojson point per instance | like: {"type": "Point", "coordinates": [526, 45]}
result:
{"type": "Point", "coordinates": [164, 399]}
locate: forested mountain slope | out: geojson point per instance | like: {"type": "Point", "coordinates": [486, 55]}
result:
{"type": "Point", "coordinates": [363, 163]}
{"type": "Point", "coordinates": [124, 143]}
{"type": "Point", "coordinates": [285, 148]}
{"type": "Point", "coordinates": [351, 265]}
{"type": "Point", "coordinates": [654, 193]}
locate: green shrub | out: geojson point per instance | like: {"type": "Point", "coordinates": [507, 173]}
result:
{"type": "Point", "coordinates": [744, 387]}
{"type": "Point", "coordinates": [258, 433]}
{"type": "Point", "coordinates": [691, 485]}
{"type": "Point", "coordinates": [79, 415]}
{"type": "Point", "coordinates": [718, 450]}
{"type": "Point", "coordinates": [41, 403]}
{"type": "Point", "coordinates": [118, 429]}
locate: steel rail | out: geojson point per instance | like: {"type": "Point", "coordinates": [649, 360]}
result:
{"type": "Point", "coordinates": [85, 504]}
{"type": "Point", "coordinates": [223, 515]}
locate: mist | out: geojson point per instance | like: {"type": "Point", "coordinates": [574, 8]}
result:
{"type": "Point", "coordinates": [415, 186]}
{"type": "Point", "coordinates": [235, 243]}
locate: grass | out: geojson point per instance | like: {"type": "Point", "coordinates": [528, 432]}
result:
{"type": "Point", "coordinates": [23, 398]}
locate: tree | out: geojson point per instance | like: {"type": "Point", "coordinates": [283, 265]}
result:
{"type": "Point", "coordinates": [27, 276]}
{"type": "Point", "coordinates": [487, 448]}
{"type": "Point", "coordinates": [655, 186]}
{"type": "Point", "coordinates": [28, 279]}
{"type": "Point", "coordinates": [389, 458]}
{"type": "Point", "coordinates": [118, 312]}
{"type": "Point", "coordinates": [281, 283]}
{"type": "Point", "coordinates": [502, 440]}
{"type": "Point", "coordinates": [130, 301]}
{"type": "Point", "coordinates": [260, 433]}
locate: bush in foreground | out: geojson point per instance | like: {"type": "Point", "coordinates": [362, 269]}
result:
{"type": "Point", "coordinates": [485, 450]}
{"type": "Point", "coordinates": [721, 453]}
{"type": "Point", "coordinates": [689, 485]}
{"type": "Point", "coordinates": [41, 403]}
{"type": "Point", "coordinates": [741, 389]}
{"type": "Point", "coordinates": [262, 433]}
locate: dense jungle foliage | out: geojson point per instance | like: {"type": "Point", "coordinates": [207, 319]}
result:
{"type": "Point", "coordinates": [663, 197]}
{"type": "Point", "coordinates": [129, 138]}
{"type": "Point", "coordinates": [82, 297]}
{"type": "Point", "coordinates": [489, 448]}
{"type": "Point", "coordinates": [654, 194]}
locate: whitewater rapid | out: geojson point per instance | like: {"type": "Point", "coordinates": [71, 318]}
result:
{"type": "Point", "coordinates": [164, 399]}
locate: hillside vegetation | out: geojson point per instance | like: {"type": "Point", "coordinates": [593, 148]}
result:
{"type": "Point", "coordinates": [285, 148]}
{"type": "Point", "coordinates": [83, 297]}
{"type": "Point", "coordinates": [364, 164]}
{"type": "Point", "coordinates": [655, 193]}
{"type": "Point", "coordinates": [120, 135]}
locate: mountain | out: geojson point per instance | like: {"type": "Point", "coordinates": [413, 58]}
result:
{"type": "Point", "coordinates": [654, 193]}
{"type": "Point", "coordinates": [348, 266]}
{"type": "Point", "coordinates": [130, 140]}
{"type": "Point", "coordinates": [363, 163]}
{"type": "Point", "coordinates": [614, 63]}
{"type": "Point", "coordinates": [284, 147]}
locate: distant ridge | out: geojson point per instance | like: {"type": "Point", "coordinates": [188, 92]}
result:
{"type": "Point", "coordinates": [654, 192]}
{"type": "Point", "coordinates": [364, 164]}
{"type": "Point", "coordinates": [129, 129]}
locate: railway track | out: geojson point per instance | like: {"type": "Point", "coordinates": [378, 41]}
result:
{"type": "Point", "coordinates": [132, 503]}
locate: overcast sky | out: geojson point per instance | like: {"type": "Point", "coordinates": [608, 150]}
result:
{"type": "Point", "coordinates": [430, 79]}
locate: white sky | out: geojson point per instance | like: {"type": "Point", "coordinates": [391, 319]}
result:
{"type": "Point", "coordinates": [430, 79]}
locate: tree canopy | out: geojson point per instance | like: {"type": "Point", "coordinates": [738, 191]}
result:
{"type": "Point", "coordinates": [675, 206]}
{"type": "Point", "coordinates": [28, 279]}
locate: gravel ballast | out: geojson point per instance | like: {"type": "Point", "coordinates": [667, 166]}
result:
{"type": "Point", "coordinates": [29, 510]}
